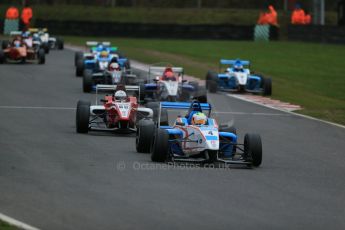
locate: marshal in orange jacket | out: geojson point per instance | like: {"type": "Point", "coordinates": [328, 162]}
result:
{"type": "Point", "coordinates": [270, 18]}
{"type": "Point", "coordinates": [26, 15]}
{"type": "Point", "coordinates": [12, 13]}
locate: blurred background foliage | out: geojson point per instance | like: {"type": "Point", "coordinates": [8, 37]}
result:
{"type": "Point", "coordinates": [279, 4]}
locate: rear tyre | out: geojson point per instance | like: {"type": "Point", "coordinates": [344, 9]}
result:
{"type": "Point", "coordinates": [212, 86]}
{"type": "Point", "coordinates": [155, 107]}
{"type": "Point", "coordinates": [82, 117]}
{"type": "Point", "coordinates": [87, 81]}
{"type": "Point", "coordinates": [80, 68]}
{"type": "Point", "coordinates": [160, 147]}
{"type": "Point", "coordinates": [78, 56]}
{"type": "Point", "coordinates": [143, 140]}
{"type": "Point", "coordinates": [41, 56]}
{"type": "Point", "coordinates": [164, 119]}
{"type": "Point", "coordinates": [128, 65]}
{"type": "Point", "coordinates": [253, 149]}
{"type": "Point", "coordinates": [2, 57]}
{"type": "Point", "coordinates": [212, 81]}
{"type": "Point", "coordinates": [201, 94]}
{"type": "Point", "coordinates": [45, 46]}
{"type": "Point", "coordinates": [60, 43]}
{"type": "Point", "coordinates": [5, 44]}
{"type": "Point", "coordinates": [142, 94]}
{"type": "Point", "coordinates": [267, 86]}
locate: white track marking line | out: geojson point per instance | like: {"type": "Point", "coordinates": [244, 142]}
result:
{"type": "Point", "coordinates": [292, 113]}
{"type": "Point", "coordinates": [16, 223]}
{"type": "Point", "coordinates": [35, 107]}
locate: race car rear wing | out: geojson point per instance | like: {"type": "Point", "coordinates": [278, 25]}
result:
{"type": "Point", "coordinates": [155, 71]}
{"type": "Point", "coordinates": [95, 43]}
{"type": "Point", "coordinates": [35, 30]}
{"type": "Point", "coordinates": [193, 106]}
{"type": "Point", "coordinates": [15, 33]}
{"type": "Point", "coordinates": [232, 62]}
{"type": "Point", "coordinates": [184, 105]}
{"type": "Point", "coordinates": [160, 70]}
{"type": "Point", "coordinates": [112, 88]}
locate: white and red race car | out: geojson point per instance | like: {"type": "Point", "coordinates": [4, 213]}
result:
{"type": "Point", "coordinates": [117, 111]}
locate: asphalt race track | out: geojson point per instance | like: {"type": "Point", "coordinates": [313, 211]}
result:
{"type": "Point", "coordinates": [53, 178]}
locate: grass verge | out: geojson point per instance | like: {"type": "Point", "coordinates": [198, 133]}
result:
{"type": "Point", "coordinates": [5, 226]}
{"type": "Point", "coordinates": [310, 75]}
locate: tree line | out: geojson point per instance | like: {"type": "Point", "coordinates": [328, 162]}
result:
{"type": "Point", "coordinates": [279, 4]}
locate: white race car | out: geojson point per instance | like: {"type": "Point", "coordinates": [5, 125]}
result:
{"type": "Point", "coordinates": [167, 84]}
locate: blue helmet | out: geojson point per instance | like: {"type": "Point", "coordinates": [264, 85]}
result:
{"type": "Point", "coordinates": [26, 34]}
{"type": "Point", "coordinates": [238, 64]}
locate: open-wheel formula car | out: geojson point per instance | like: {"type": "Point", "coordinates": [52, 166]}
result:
{"type": "Point", "coordinates": [237, 78]}
{"type": "Point", "coordinates": [17, 50]}
{"type": "Point", "coordinates": [196, 138]}
{"type": "Point", "coordinates": [98, 56]}
{"type": "Point", "coordinates": [117, 111]}
{"type": "Point", "coordinates": [113, 74]}
{"type": "Point", "coordinates": [167, 84]}
{"type": "Point", "coordinates": [48, 42]}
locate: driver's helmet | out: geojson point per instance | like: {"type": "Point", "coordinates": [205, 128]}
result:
{"type": "Point", "coordinates": [199, 119]}
{"type": "Point", "coordinates": [120, 95]}
{"type": "Point", "coordinates": [169, 75]}
{"type": "Point", "coordinates": [100, 47]}
{"type": "Point", "coordinates": [26, 34]}
{"type": "Point", "coordinates": [104, 54]}
{"type": "Point", "coordinates": [35, 36]}
{"type": "Point", "coordinates": [238, 65]}
{"type": "Point", "coordinates": [17, 41]}
{"type": "Point", "coordinates": [114, 66]}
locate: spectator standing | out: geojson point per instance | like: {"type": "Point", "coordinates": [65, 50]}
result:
{"type": "Point", "coordinates": [11, 22]}
{"type": "Point", "coordinates": [298, 15]}
{"type": "Point", "coordinates": [12, 13]}
{"type": "Point", "coordinates": [269, 17]}
{"type": "Point", "coordinates": [307, 18]}
{"type": "Point", "coordinates": [26, 16]}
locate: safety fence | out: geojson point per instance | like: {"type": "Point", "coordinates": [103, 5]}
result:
{"type": "Point", "coordinates": [138, 30]}
{"type": "Point", "coordinates": [318, 34]}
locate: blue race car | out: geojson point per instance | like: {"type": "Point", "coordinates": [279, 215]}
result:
{"type": "Point", "coordinates": [98, 58]}
{"type": "Point", "coordinates": [237, 78]}
{"type": "Point", "coordinates": [195, 138]}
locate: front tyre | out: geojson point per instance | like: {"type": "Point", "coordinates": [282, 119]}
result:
{"type": "Point", "coordinates": [82, 117]}
{"type": "Point", "coordinates": [78, 56]}
{"type": "Point", "coordinates": [267, 87]}
{"type": "Point", "coordinates": [212, 81]}
{"type": "Point", "coordinates": [41, 56]}
{"type": "Point", "coordinates": [87, 81]}
{"type": "Point", "coordinates": [143, 140]}
{"type": "Point", "coordinates": [60, 44]}
{"type": "Point", "coordinates": [2, 57]}
{"type": "Point", "coordinates": [253, 149]}
{"type": "Point", "coordinates": [80, 68]}
{"type": "Point", "coordinates": [160, 147]}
